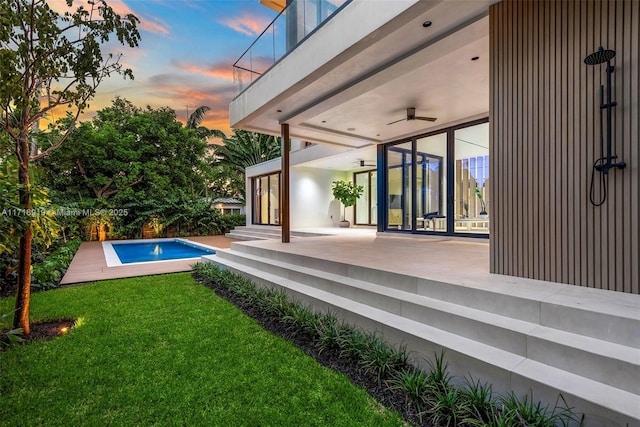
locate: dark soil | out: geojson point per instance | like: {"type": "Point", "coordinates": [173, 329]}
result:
{"type": "Point", "coordinates": [395, 400]}
{"type": "Point", "coordinates": [47, 329]}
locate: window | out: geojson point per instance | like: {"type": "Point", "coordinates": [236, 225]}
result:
{"type": "Point", "coordinates": [367, 204]}
{"type": "Point", "coordinates": [438, 182]}
{"type": "Point", "coordinates": [266, 199]}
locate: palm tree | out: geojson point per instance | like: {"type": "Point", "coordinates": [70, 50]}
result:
{"type": "Point", "coordinates": [246, 149]}
{"type": "Point", "coordinates": [194, 121]}
{"type": "Point", "coordinates": [240, 151]}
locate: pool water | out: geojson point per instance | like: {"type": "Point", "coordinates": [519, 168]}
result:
{"type": "Point", "coordinates": [158, 251]}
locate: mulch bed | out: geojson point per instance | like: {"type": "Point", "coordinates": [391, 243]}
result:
{"type": "Point", "coordinates": [48, 329]}
{"type": "Point", "coordinates": [395, 400]}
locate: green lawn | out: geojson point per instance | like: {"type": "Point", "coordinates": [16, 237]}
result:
{"type": "Point", "coordinates": [163, 350]}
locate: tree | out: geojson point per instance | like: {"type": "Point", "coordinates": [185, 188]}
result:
{"type": "Point", "coordinates": [133, 158]}
{"type": "Point", "coordinates": [195, 120]}
{"type": "Point", "coordinates": [245, 149]}
{"type": "Point", "coordinates": [49, 61]}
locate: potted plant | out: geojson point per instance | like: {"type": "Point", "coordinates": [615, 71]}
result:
{"type": "Point", "coordinates": [346, 192]}
{"type": "Point", "coordinates": [483, 206]}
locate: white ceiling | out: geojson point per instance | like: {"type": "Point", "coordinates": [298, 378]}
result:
{"type": "Point", "coordinates": [436, 76]}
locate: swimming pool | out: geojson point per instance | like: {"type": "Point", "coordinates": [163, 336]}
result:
{"type": "Point", "coordinates": [143, 251]}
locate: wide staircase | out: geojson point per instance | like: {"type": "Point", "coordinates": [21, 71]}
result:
{"type": "Point", "coordinates": [517, 340]}
{"type": "Point", "coordinates": [257, 232]}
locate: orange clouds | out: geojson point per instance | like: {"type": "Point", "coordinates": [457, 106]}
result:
{"type": "Point", "coordinates": [247, 24]}
{"type": "Point", "coordinates": [222, 71]}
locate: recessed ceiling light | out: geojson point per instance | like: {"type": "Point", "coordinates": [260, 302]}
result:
{"type": "Point", "coordinates": [475, 58]}
{"type": "Point", "coordinates": [351, 129]}
{"type": "Point", "coordinates": [377, 134]}
{"type": "Point", "coordinates": [279, 111]}
{"type": "Point", "coordinates": [324, 121]}
{"type": "Point", "coordinates": [426, 24]}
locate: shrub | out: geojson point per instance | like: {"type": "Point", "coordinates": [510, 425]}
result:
{"type": "Point", "coordinates": [482, 403]}
{"type": "Point", "coordinates": [414, 384]}
{"type": "Point", "coordinates": [382, 359]}
{"type": "Point", "coordinates": [48, 273]}
{"type": "Point", "coordinates": [530, 412]}
{"type": "Point", "coordinates": [9, 336]}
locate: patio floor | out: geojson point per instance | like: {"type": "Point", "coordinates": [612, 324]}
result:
{"type": "Point", "coordinates": [89, 263]}
{"type": "Point", "coordinates": [446, 259]}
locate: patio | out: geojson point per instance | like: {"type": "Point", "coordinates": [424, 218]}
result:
{"type": "Point", "coordinates": [90, 265]}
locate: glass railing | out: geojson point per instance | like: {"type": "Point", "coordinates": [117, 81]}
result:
{"type": "Point", "coordinates": [296, 21]}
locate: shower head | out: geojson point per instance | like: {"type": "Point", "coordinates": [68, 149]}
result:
{"type": "Point", "coordinates": [600, 56]}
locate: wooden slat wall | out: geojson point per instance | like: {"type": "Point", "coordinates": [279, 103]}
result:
{"type": "Point", "coordinates": [545, 138]}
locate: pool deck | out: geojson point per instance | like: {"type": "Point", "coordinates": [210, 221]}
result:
{"type": "Point", "coordinates": [90, 265]}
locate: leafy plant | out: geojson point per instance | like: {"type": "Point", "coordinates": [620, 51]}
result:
{"type": "Point", "coordinates": [481, 401]}
{"type": "Point", "coordinates": [47, 275]}
{"type": "Point", "coordinates": [381, 359]}
{"type": "Point", "coordinates": [447, 406]}
{"type": "Point", "coordinates": [9, 336]}
{"type": "Point", "coordinates": [301, 319]}
{"type": "Point", "coordinates": [483, 205]}
{"type": "Point", "coordinates": [439, 377]}
{"type": "Point", "coordinates": [530, 412]}
{"type": "Point", "coordinates": [346, 192]}
{"type": "Point", "coordinates": [328, 332]}
{"type": "Point", "coordinates": [414, 384]}
{"type": "Point", "coordinates": [353, 344]}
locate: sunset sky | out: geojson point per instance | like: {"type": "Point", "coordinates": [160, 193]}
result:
{"type": "Point", "coordinates": [186, 54]}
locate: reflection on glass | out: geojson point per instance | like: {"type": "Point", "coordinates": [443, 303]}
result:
{"type": "Point", "coordinates": [266, 201]}
{"type": "Point", "coordinates": [399, 169]}
{"type": "Point", "coordinates": [298, 19]}
{"type": "Point", "coordinates": [366, 205]}
{"type": "Point", "coordinates": [431, 207]}
{"type": "Point", "coordinates": [472, 198]}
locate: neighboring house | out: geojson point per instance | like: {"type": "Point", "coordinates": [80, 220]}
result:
{"type": "Point", "coordinates": [479, 119]}
{"type": "Point", "coordinates": [228, 205]}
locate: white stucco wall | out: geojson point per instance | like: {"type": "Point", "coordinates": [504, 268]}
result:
{"type": "Point", "coordinates": [312, 203]}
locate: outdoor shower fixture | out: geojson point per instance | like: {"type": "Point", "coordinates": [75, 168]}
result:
{"type": "Point", "coordinates": [605, 162]}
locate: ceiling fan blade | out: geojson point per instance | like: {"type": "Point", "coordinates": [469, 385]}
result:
{"type": "Point", "coordinates": [401, 120]}
{"type": "Point", "coordinates": [426, 119]}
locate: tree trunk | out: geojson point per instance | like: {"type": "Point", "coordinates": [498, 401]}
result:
{"type": "Point", "coordinates": [23, 294]}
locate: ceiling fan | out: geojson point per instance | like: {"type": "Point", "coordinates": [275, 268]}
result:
{"type": "Point", "coordinates": [411, 115]}
{"type": "Point", "coordinates": [365, 164]}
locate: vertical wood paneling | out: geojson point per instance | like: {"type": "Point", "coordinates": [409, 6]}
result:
{"type": "Point", "coordinates": [545, 137]}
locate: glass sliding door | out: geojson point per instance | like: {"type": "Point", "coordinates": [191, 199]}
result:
{"type": "Point", "coordinates": [439, 182]}
{"type": "Point", "coordinates": [366, 205]}
{"type": "Point", "coordinates": [430, 200]}
{"type": "Point", "coordinates": [471, 193]}
{"type": "Point", "coordinates": [266, 199]}
{"type": "Point", "coordinates": [399, 188]}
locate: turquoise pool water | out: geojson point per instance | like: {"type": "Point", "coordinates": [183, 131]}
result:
{"type": "Point", "coordinates": [158, 251]}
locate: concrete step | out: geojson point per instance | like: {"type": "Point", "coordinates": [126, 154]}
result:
{"type": "Point", "coordinates": [505, 368]}
{"type": "Point", "coordinates": [261, 233]}
{"type": "Point", "coordinates": [558, 311]}
{"type": "Point", "coordinates": [610, 363]}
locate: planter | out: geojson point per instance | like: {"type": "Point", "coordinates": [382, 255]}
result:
{"type": "Point", "coordinates": [483, 215]}
{"type": "Point", "coordinates": [344, 224]}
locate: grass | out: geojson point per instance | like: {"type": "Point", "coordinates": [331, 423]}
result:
{"type": "Point", "coordinates": [163, 350]}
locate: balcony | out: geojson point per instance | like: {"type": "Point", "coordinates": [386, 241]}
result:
{"type": "Point", "coordinates": [293, 24]}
